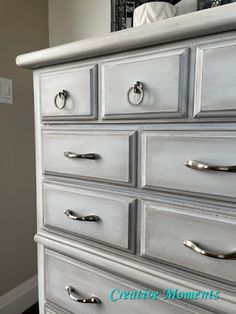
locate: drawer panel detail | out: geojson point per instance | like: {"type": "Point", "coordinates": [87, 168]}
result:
{"type": "Point", "coordinates": [146, 86]}
{"type": "Point", "coordinates": [68, 280]}
{"type": "Point", "coordinates": [200, 161]}
{"type": "Point", "coordinates": [100, 155]}
{"type": "Point", "coordinates": [215, 93]}
{"type": "Point", "coordinates": [169, 233]}
{"type": "Point", "coordinates": [101, 217]}
{"type": "Point", "coordinates": [69, 92]}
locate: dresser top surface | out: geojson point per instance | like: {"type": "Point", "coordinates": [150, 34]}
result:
{"type": "Point", "coordinates": [200, 23]}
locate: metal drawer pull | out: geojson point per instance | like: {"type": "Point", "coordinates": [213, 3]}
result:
{"type": "Point", "coordinates": [62, 95]}
{"type": "Point", "coordinates": [137, 88]}
{"type": "Point", "coordinates": [71, 215]}
{"type": "Point", "coordinates": [81, 156]}
{"type": "Point", "coordinates": [193, 246]}
{"type": "Point", "coordinates": [197, 165]}
{"type": "Point", "coordinates": [73, 296]}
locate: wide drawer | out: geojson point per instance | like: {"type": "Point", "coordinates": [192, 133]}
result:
{"type": "Point", "coordinates": [175, 160]}
{"type": "Point", "coordinates": [215, 93]}
{"type": "Point", "coordinates": [69, 92]}
{"type": "Point", "coordinates": [163, 90]}
{"type": "Point", "coordinates": [167, 227]}
{"type": "Point", "coordinates": [96, 155]}
{"type": "Point", "coordinates": [102, 217]}
{"type": "Point", "coordinates": [88, 282]}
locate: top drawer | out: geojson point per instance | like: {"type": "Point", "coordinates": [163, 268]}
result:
{"type": "Point", "coordinates": [161, 90]}
{"type": "Point", "coordinates": [215, 93]}
{"type": "Point", "coordinates": [69, 92]}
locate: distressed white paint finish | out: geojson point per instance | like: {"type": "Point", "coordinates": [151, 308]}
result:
{"type": "Point", "coordinates": [133, 270]}
{"type": "Point", "coordinates": [165, 227]}
{"type": "Point", "coordinates": [115, 149]}
{"type": "Point", "coordinates": [215, 93]}
{"type": "Point", "coordinates": [191, 25]}
{"type": "Point", "coordinates": [164, 76]}
{"type": "Point", "coordinates": [164, 154]}
{"type": "Point", "coordinates": [88, 282]}
{"type": "Point", "coordinates": [116, 214]}
{"type": "Point", "coordinates": [80, 82]}
{"type": "Point", "coordinates": [159, 154]}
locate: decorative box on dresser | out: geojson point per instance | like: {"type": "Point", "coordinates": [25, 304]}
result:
{"type": "Point", "coordinates": [136, 155]}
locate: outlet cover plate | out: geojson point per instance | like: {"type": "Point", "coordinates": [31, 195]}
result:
{"type": "Point", "coordinates": [6, 91]}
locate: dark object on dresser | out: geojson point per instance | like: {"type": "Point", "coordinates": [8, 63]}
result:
{"type": "Point", "coordinates": [122, 12]}
{"type": "Point", "coordinates": [206, 4]}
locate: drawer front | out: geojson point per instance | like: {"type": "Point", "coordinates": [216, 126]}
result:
{"type": "Point", "coordinates": [215, 93]}
{"type": "Point", "coordinates": [80, 84]}
{"type": "Point", "coordinates": [114, 153]}
{"type": "Point", "coordinates": [110, 218]}
{"type": "Point", "coordinates": [165, 228]}
{"type": "Point", "coordinates": [164, 79]}
{"type": "Point", "coordinates": [164, 155]}
{"type": "Point", "coordinates": [90, 282]}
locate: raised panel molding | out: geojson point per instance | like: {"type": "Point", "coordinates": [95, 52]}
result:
{"type": "Point", "coordinates": [201, 225]}
{"type": "Point", "coordinates": [163, 157]}
{"type": "Point", "coordinates": [154, 277]}
{"type": "Point", "coordinates": [85, 109]}
{"type": "Point", "coordinates": [215, 80]}
{"type": "Point", "coordinates": [117, 215]}
{"type": "Point", "coordinates": [152, 69]}
{"type": "Point", "coordinates": [122, 154]}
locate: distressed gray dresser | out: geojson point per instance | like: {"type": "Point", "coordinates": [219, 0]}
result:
{"type": "Point", "coordinates": [136, 155]}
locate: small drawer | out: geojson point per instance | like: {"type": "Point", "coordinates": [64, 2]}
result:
{"type": "Point", "coordinates": [215, 93]}
{"type": "Point", "coordinates": [69, 92]}
{"type": "Point", "coordinates": [161, 90]}
{"type": "Point", "coordinates": [170, 231]}
{"type": "Point", "coordinates": [101, 155]}
{"type": "Point", "coordinates": [101, 217]}
{"type": "Point", "coordinates": [186, 161]}
{"type": "Point", "coordinates": [88, 282]}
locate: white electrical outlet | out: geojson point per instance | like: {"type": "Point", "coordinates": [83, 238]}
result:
{"type": "Point", "coordinates": [6, 91]}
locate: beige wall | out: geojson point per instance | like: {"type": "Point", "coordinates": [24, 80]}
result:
{"type": "Point", "coordinates": [23, 28]}
{"type": "Point", "coordinates": [71, 20]}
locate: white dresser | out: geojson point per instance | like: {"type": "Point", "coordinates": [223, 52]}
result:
{"type": "Point", "coordinates": [136, 169]}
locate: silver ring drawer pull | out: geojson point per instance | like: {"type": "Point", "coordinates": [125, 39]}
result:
{"type": "Point", "coordinates": [197, 165]}
{"type": "Point", "coordinates": [74, 297]}
{"type": "Point", "coordinates": [71, 155]}
{"type": "Point", "coordinates": [71, 215]}
{"type": "Point", "coordinates": [61, 96]}
{"type": "Point", "coordinates": [193, 246]}
{"type": "Point", "coordinates": [137, 88]}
